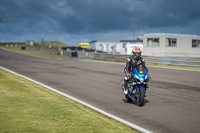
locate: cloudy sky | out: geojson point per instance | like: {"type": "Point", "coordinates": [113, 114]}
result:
{"type": "Point", "coordinates": [75, 21]}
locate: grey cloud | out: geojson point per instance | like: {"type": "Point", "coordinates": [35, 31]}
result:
{"type": "Point", "coordinates": [77, 17]}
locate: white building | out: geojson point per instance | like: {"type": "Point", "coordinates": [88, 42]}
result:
{"type": "Point", "coordinates": [129, 45]}
{"type": "Point", "coordinates": [123, 47]}
{"type": "Point", "coordinates": [103, 45]}
{"type": "Point", "coordinates": [176, 45]}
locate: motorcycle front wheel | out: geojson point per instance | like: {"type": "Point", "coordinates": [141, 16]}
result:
{"type": "Point", "coordinates": [140, 98]}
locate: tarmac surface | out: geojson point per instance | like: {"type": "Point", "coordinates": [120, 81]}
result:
{"type": "Point", "coordinates": [172, 102]}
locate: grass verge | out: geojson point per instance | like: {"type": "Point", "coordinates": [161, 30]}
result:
{"type": "Point", "coordinates": [28, 107]}
{"type": "Point", "coordinates": [171, 66]}
{"type": "Point", "coordinates": [157, 65]}
{"type": "Point", "coordinates": [36, 53]}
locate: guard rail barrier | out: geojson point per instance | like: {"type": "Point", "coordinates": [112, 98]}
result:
{"type": "Point", "coordinates": [195, 62]}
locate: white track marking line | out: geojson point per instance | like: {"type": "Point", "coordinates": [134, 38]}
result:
{"type": "Point", "coordinates": [83, 103]}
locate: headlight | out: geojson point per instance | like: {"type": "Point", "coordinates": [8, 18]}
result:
{"type": "Point", "coordinates": [142, 80]}
{"type": "Point", "coordinates": [136, 76]}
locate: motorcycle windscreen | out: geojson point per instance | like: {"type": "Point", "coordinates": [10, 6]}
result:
{"type": "Point", "coordinates": [141, 69]}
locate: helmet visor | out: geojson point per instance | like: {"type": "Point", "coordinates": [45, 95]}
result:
{"type": "Point", "coordinates": [137, 54]}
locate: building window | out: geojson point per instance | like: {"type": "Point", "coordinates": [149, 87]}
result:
{"type": "Point", "coordinates": [171, 42]}
{"type": "Point", "coordinates": [124, 45]}
{"type": "Point", "coordinates": [195, 43]}
{"type": "Point", "coordinates": [153, 42]}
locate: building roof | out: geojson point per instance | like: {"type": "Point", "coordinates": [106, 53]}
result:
{"type": "Point", "coordinates": [170, 34]}
{"type": "Point", "coordinates": [110, 41]}
{"type": "Point", "coordinates": [93, 41]}
{"type": "Point", "coordinates": [116, 41]}
{"type": "Point", "coordinates": [131, 40]}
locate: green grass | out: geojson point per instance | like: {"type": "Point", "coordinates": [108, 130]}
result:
{"type": "Point", "coordinates": [36, 53]}
{"type": "Point", "coordinates": [158, 65]}
{"type": "Point", "coordinates": [27, 107]}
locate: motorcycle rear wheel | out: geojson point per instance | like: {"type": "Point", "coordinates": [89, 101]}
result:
{"type": "Point", "coordinates": [140, 99]}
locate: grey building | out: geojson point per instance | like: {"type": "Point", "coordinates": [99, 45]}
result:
{"type": "Point", "coordinates": [175, 45]}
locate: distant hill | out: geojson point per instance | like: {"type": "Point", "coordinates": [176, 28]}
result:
{"type": "Point", "coordinates": [51, 43]}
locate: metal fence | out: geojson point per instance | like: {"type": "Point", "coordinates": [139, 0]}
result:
{"type": "Point", "coordinates": [110, 57]}
{"type": "Point", "coordinates": [41, 49]}
{"type": "Point", "coordinates": [70, 53]}
{"type": "Point", "coordinates": [152, 59]}
{"type": "Point", "coordinates": [180, 55]}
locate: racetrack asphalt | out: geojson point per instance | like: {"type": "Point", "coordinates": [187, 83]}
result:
{"type": "Point", "coordinates": [172, 102]}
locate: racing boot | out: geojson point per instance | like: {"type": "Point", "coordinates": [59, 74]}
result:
{"type": "Point", "coordinates": [134, 91]}
{"type": "Point", "coordinates": [124, 87]}
{"type": "Point", "coordinates": [122, 84]}
{"type": "Point", "coordinates": [148, 85]}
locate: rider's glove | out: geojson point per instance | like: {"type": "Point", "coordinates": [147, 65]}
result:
{"type": "Point", "coordinates": [129, 75]}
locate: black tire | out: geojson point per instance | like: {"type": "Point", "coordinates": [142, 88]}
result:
{"type": "Point", "coordinates": [140, 99]}
{"type": "Point", "coordinates": [128, 99]}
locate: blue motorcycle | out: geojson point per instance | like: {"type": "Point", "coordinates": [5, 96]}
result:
{"type": "Point", "coordinates": [136, 87]}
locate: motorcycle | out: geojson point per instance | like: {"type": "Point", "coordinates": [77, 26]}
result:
{"type": "Point", "coordinates": [135, 89]}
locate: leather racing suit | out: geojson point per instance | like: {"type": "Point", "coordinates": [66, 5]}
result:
{"type": "Point", "coordinates": [131, 63]}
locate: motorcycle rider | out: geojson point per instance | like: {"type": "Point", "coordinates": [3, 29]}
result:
{"type": "Point", "coordinates": [133, 62]}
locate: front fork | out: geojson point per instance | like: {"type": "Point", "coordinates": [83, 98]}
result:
{"type": "Point", "coordinates": [136, 88]}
